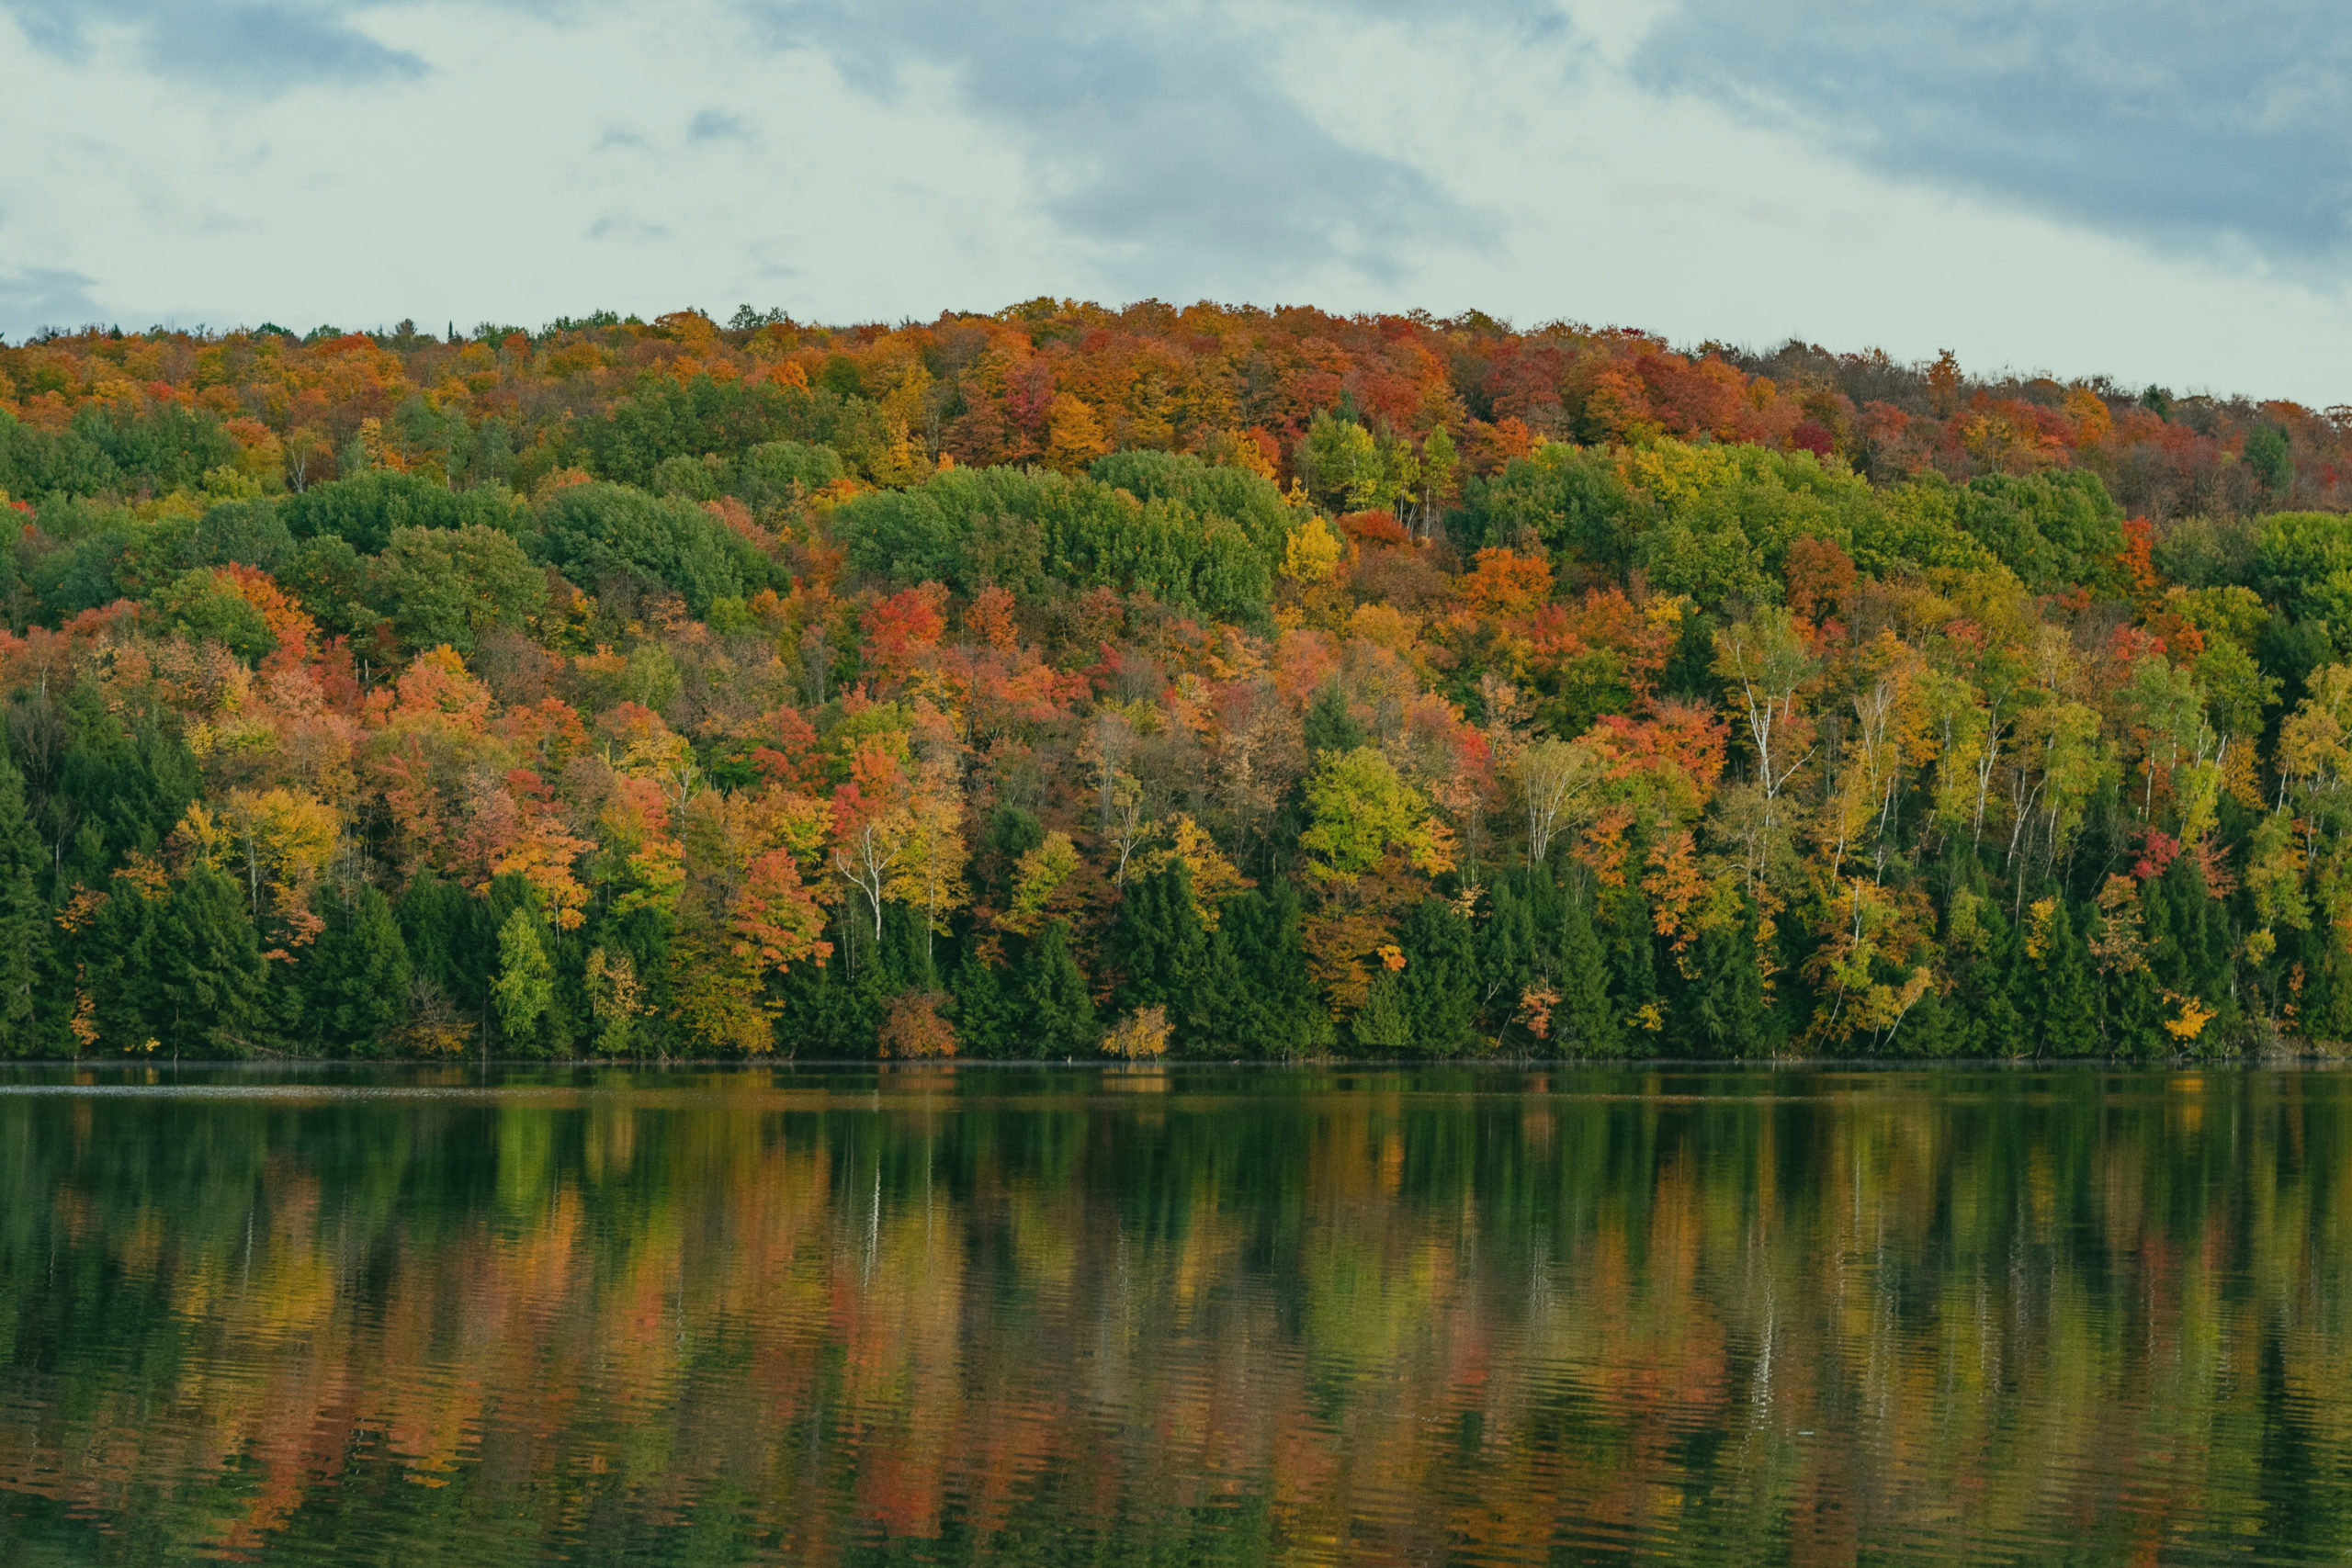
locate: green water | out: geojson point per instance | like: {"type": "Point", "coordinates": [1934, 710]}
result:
{"type": "Point", "coordinates": [1173, 1317]}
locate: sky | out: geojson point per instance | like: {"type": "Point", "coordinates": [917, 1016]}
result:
{"type": "Point", "coordinates": [2155, 190]}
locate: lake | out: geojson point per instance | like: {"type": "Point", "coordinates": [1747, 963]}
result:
{"type": "Point", "coordinates": [1197, 1315]}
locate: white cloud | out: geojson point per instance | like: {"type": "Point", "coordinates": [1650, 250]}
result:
{"type": "Point", "coordinates": [1356, 154]}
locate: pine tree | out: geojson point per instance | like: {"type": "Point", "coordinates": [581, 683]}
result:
{"type": "Point", "coordinates": [986, 1024]}
{"type": "Point", "coordinates": [1584, 1024]}
{"type": "Point", "coordinates": [1158, 947]}
{"type": "Point", "coordinates": [1379, 1027]}
{"type": "Point", "coordinates": [355, 977]}
{"type": "Point", "coordinates": [2068, 1022]}
{"type": "Point", "coordinates": [1631, 941]}
{"type": "Point", "coordinates": [1720, 1009]}
{"type": "Point", "coordinates": [27, 958]}
{"type": "Point", "coordinates": [1061, 1013]}
{"type": "Point", "coordinates": [1509, 961]}
{"type": "Point", "coordinates": [1437, 990]}
{"type": "Point", "coordinates": [1273, 1009]}
{"type": "Point", "coordinates": [208, 976]}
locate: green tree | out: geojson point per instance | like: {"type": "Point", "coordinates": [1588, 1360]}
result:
{"type": "Point", "coordinates": [207, 975]}
{"type": "Point", "coordinates": [26, 957]}
{"type": "Point", "coordinates": [1061, 1013]}
{"type": "Point", "coordinates": [525, 989]}
{"type": "Point", "coordinates": [1272, 1009]}
{"type": "Point", "coordinates": [1720, 1009]}
{"type": "Point", "coordinates": [1437, 990]}
{"type": "Point", "coordinates": [356, 977]}
{"type": "Point", "coordinates": [987, 1022]}
{"type": "Point", "coordinates": [1158, 948]}
{"type": "Point", "coordinates": [2067, 996]}
{"type": "Point", "coordinates": [451, 585]}
{"type": "Point", "coordinates": [1584, 1021]}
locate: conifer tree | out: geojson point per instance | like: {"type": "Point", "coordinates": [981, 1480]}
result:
{"type": "Point", "coordinates": [1631, 941]}
{"type": "Point", "coordinates": [1437, 990]}
{"type": "Point", "coordinates": [26, 954]}
{"type": "Point", "coordinates": [1273, 1009]}
{"type": "Point", "coordinates": [1061, 1013]}
{"type": "Point", "coordinates": [986, 1021]}
{"type": "Point", "coordinates": [1584, 1024]}
{"type": "Point", "coordinates": [355, 977]}
{"type": "Point", "coordinates": [1158, 947]}
{"type": "Point", "coordinates": [2068, 1022]}
{"type": "Point", "coordinates": [1379, 1027]}
{"type": "Point", "coordinates": [208, 977]}
{"type": "Point", "coordinates": [1720, 1009]}
{"type": "Point", "coordinates": [1508, 960]}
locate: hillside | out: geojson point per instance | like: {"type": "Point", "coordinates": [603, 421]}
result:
{"type": "Point", "coordinates": [1217, 682]}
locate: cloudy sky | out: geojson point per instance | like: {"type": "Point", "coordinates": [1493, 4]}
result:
{"type": "Point", "coordinates": [2157, 189]}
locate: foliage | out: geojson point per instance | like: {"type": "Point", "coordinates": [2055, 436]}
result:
{"type": "Point", "coordinates": [1389, 685]}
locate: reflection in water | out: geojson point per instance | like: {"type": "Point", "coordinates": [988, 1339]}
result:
{"type": "Point", "coordinates": [1331, 1317]}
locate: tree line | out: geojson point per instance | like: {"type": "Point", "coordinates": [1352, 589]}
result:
{"type": "Point", "coordinates": [1215, 682]}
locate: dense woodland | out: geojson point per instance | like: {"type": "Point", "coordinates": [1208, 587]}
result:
{"type": "Point", "coordinates": [1220, 682]}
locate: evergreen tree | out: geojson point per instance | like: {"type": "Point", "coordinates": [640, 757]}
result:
{"type": "Point", "coordinates": [1509, 959]}
{"type": "Point", "coordinates": [2068, 1012]}
{"type": "Point", "coordinates": [1719, 1012]}
{"type": "Point", "coordinates": [1156, 946]}
{"type": "Point", "coordinates": [986, 1020]}
{"type": "Point", "coordinates": [355, 977]}
{"type": "Point", "coordinates": [208, 976]}
{"type": "Point", "coordinates": [452, 941]}
{"type": "Point", "coordinates": [117, 789]}
{"type": "Point", "coordinates": [1061, 1013]}
{"type": "Point", "coordinates": [1273, 1009]}
{"type": "Point", "coordinates": [1329, 726]}
{"type": "Point", "coordinates": [1437, 990]}
{"type": "Point", "coordinates": [1630, 943]}
{"type": "Point", "coordinates": [1379, 1027]}
{"type": "Point", "coordinates": [1584, 1022]}
{"type": "Point", "coordinates": [28, 961]}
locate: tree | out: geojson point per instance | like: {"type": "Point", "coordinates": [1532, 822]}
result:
{"type": "Point", "coordinates": [1554, 777]}
{"type": "Point", "coordinates": [27, 955]}
{"type": "Point", "coordinates": [1362, 809]}
{"type": "Point", "coordinates": [1765, 664]}
{"type": "Point", "coordinates": [525, 989]}
{"type": "Point", "coordinates": [1156, 946]}
{"type": "Point", "coordinates": [356, 977]}
{"type": "Point", "coordinates": [451, 585]}
{"type": "Point", "coordinates": [1271, 1008]}
{"type": "Point", "coordinates": [207, 971]}
{"type": "Point", "coordinates": [1584, 1022]}
{"type": "Point", "coordinates": [2067, 995]}
{"type": "Point", "coordinates": [1437, 989]}
{"type": "Point", "coordinates": [1141, 1034]}
{"type": "Point", "coordinates": [987, 1019]}
{"type": "Point", "coordinates": [1061, 1014]}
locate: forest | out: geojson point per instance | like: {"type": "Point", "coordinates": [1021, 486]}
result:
{"type": "Point", "coordinates": [1212, 682]}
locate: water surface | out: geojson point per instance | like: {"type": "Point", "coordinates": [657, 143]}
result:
{"type": "Point", "coordinates": [1191, 1316]}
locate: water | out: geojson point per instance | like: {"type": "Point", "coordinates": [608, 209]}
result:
{"type": "Point", "coordinates": [1177, 1316]}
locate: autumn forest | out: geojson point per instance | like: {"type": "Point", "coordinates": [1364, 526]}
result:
{"type": "Point", "coordinates": [1070, 681]}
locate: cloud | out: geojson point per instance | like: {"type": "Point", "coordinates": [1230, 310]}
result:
{"type": "Point", "coordinates": [2176, 122]}
{"type": "Point", "coordinates": [45, 296]}
{"type": "Point", "coordinates": [712, 126]}
{"type": "Point", "coordinates": [264, 45]}
{"type": "Point", "coordinates": [622, 227]}
{"type": "Point", "coordinates": [1160, 133]}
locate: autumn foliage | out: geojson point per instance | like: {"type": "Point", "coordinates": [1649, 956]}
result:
{"type": "Point", "coordinates": [1214, 679]}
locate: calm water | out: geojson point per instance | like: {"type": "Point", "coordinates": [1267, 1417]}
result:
{"type": "Point", "coordinates": [1173, 1317]}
